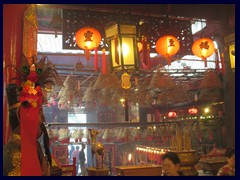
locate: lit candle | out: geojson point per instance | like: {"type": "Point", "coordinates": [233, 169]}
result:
{"type": "Point", "coordinates": [129, 158]}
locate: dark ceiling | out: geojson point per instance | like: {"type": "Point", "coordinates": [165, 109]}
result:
{"type": "Point", "coordinates": [213, 12]}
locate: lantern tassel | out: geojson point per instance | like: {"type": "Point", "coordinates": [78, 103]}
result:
{"type": "Point", "coordinates": [148, 57]}
{"type": "Point", "coordinates": [223, 65]}
{"type": "Point", "coordinates": [96, 59]}
{"type": "Point", "coordinates": [104, 63]}
{"type": "Point", "coordinates": [205, 62]}
{"type": "Point", "coordinates": [169, 61]}
{"type": "Point", "coordinates": [144, 53]}
{"type": "Point", "coordinates": [217, 60]}
{"type": "Point", "coordinates": [87, 53]}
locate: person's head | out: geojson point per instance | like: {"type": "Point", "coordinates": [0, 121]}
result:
{"type": "Point", "coordinates": [230, 155]}
{"type": "Point", "coordinates": [171, 164]}
{"type": "Point", "coordinates": [72, 147]}
{"type": "Point", "coordinates": [77, 147]}
{"type": "Point", "coordinates": [83, 146]}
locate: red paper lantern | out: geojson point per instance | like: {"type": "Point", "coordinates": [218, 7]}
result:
{"type": "Point", "coordinates": [203, 48]}
{"type": "Point", "coordinates": [193, 111]}
{"type": "Point", "coordinates": [172, 114]}
{"type": "Point", "coordinates": [88, 38]}
{"type": "Point", "coordinates": [167, 46]}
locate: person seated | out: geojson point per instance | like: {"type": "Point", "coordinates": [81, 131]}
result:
{"type": "Point", "coordinates": [229, 168]}
{"type": "Point", "coordinates": [171, 164]}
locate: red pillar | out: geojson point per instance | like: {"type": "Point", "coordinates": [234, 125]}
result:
{"type": "Point", "coordinates": [12, 51]}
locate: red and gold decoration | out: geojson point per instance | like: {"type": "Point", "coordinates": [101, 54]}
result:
{"type": "Point", "coordinates": [167, 46]}
{"type": "Point", "coordinates": [88, 38]}
{"type": "Point", "coordinates": [126, 84]}
{"type": "Point", "coordinates": [31, 78]}
{"type": "Point", "coordinates": [31, 100]}
{"type": "Point", "coordinates": [203, 48]}
{"type": "Point", "coordinates": [30, 30]}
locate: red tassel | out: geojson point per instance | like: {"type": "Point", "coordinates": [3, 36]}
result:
{"type": "Point", "coordinates": [148, 57]}
{"type": "Point", "coordinates": [87, 53]}
{"type": "Point", "coordinates": [96, 59]}
{"type": "Point", "coordinates": [144, 52]}
{"type": "Point", "coordinates": [78, 85]}
{"type": "Point", "coordinates": [104, 63]}
{"type": "Point", "coordinates": [223, 65]}
{"type": "Point", "coordinates": [217, 61]}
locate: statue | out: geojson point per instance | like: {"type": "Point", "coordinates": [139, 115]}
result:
{"type": "Point", "coordinates": [96, 147]}
{"type": "Point", "coordinates": [23, 155]}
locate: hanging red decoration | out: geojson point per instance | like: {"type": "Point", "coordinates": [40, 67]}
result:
{"type": "Point", "coordinates": [172, 114]}
{"type": "Point", "coordinates": [104, 62]}
{"type": "Point", "coordinates": [167, 46]}
{"type": "Point", "coordinates": [96, 59]}
{"type": "Point", "coordinates": [193, 111]}
{"type": "Point", "coordinates": [148, 57]}
{"type": "Point", "coordinates": [203, 48]}
{"type": "Point", "coordinates": [88, 38]}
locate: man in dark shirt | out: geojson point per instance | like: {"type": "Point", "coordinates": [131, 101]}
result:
{"type": "Point", "coordinates": [82, 160]}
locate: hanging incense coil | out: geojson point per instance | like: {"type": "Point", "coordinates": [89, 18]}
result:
{"type": "Point", "coordinates": [211, 80]}
{"type": "Point", "coordinates": [90, 94]}
{"type": "Point", "coordinates": [105, 81]}
{"type": "Point", "coordinates": [105, 96]}
{"type": "Point", "coordinates": [161, 81]}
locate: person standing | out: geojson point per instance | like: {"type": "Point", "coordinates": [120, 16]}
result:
{"type": "Point", "coordinates": [75, 153]}
{"type": "Point", "coordinates": [82, 159]}
{"type": "Point", "coordinates": [70, 153]}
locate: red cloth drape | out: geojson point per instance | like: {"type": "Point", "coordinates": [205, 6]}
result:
{"type": "Point", "coordinates": [12, 50]}
{"type": "Point", "coordinates": [29, 122]}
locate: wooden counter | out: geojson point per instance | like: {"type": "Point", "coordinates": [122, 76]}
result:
{"type": "Point", "coordinates": [140, 170]}
{"type": "Point", "coordinates": [97, 172]}
{"type": "Point", "coordinates": [212, 164]}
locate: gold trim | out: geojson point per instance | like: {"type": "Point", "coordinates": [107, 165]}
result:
{"type": "Point", "coordinates": [15, 106]}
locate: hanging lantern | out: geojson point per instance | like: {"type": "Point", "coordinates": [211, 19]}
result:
{"type": "Point", "coordinates": [193, 111]}
{"type": "Point", "coordinates": [88, 38]}
{"type": "Point", "coordinates": [172, 114]}
{"type": "Point", "coordinates": [167, 46]}
{"type": "Point", "coordinates": [123, 46]}
{"type": "Point", "coordinates": [203, 48]}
